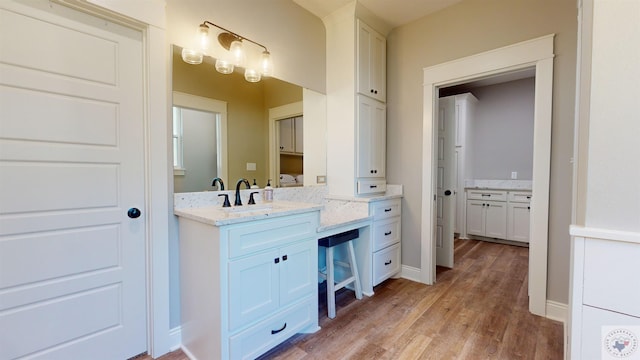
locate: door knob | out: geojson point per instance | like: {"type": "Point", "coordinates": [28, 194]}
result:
{"type": "Point", "coordinates": [134, 213]}
{"type": "Point", "coordinates": [447, 192]}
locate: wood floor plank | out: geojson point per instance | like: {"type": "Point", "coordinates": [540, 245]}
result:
{"type": "Point", "coordinates": [477, 310]}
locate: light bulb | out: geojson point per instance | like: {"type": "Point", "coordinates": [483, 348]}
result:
{"type": "Point", "coordinates": [237, 52]}
{"type": "Point", "coordinates": [203, 37]}
{"type": "Point", "coordinates": [190, 56]}
{"type": "Point", "coordinates": [265, 63]}
{"type": "Point", "coordinates": [224, 67]}
{"type": "Point", "coordinates": [252, 75]}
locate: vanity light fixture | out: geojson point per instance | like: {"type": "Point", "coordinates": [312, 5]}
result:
{"type": "Point", "coordinates": [236, 54]}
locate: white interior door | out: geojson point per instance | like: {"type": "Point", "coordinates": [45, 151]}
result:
{"type": "Point", "coordinates": [445, 182]}
{"type": "Point", "coordinates": [72, 262]}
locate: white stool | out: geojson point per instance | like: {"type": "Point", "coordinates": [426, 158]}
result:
{"type": "Point", "coordinates": [329, 243]}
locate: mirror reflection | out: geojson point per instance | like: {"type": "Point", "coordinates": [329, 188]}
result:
{"type": "Point", "coordinates": [237, 132]}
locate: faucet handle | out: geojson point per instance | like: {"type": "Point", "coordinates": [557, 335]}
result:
{"type": "Point", "coordinates": [251, 199]}
{"type": "Point", "coordinates": [226, 200]}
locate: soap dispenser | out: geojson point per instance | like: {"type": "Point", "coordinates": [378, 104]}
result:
{"type": "Point", "coordinates": [255, 186]}
{"type": "Point", "coordinates": [268, 191]}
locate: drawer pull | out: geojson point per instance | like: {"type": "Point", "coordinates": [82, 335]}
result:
{"type": "Point", "coordinates": [486, 195]}
{"type": "Point", "coordinates": [387, 210]}
{"type": "Point", "coordinates": [529, 197]}
{"type": "Point", "coordinates": [273, 332]}
{"type": "Point", "coordinates": [373, 186]}
{"type": "Point", "coordinates": [387, 263]}
{"type": "Point", "coordinates": [387, 233]}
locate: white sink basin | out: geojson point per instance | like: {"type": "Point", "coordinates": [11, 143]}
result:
{"type": "Point", "coordinates": [248, 208]}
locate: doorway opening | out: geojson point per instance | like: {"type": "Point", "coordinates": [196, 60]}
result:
{"type": "Point", "coordinates": [485, 161]}
{"type": "Point", "coordinates": [537, 54]}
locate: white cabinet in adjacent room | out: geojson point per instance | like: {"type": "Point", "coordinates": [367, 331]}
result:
{"type": "Point", "coordinates": [518, 216]}
{"type": "Point", "coordinates": [487, 213]}
{"type": "Point", "coordinates": [371, 62]}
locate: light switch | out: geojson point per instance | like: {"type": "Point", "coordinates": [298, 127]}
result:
{"type": "Point", "coordinates": [514, 175]}
{"type": "Point", "coordinates": [251, 166]}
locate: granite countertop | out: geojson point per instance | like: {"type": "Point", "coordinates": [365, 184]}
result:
{"type": "Point", "coordinates": [218, 216]}
{"type": "Point", "coordinates": [514, 185]}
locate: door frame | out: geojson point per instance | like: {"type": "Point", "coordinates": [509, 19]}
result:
{"type": "Point", "coordinates": [151, 21]}
{"type": "Point", "coordinates": [536, 53]}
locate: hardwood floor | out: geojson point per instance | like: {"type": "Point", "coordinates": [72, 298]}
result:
{"type": "Point", "coordinates": [477, 310]}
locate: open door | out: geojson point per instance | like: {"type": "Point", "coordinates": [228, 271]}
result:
{"type": "Point", "coordinates": [446, 178]}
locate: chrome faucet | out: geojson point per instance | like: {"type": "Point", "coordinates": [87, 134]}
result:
{"type": "Point", "coordinates": [238, 201]}
{"type": "Point", "coordinates": [219, 181]}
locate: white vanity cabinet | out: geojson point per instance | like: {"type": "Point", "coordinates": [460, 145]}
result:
{"type": "Point", "coordinates": [386, 236]}
{"type": "Point", "coordinates": [487, 213]}
{"type": "Point", "coordinates": [247, 287]}
{"type": "Point", "coordinates": [371, 62]}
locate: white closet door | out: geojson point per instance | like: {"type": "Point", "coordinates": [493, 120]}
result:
{"type": "Point", "coordinates": [72, 262]}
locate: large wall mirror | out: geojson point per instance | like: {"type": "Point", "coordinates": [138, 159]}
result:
{"type": "Point", "coordinates": [227, 127]}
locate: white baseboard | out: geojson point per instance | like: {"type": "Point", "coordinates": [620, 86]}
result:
{"type": "Point", "coordinates": [410, 273]}
{"type": "Point", "coordinates": [175, 338]}
{"type": "Point", "coordinates": [557, 311]}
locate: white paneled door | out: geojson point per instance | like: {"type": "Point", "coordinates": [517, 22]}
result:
{"type": "Point", "coordinates": [445, 182]}
{"type": "Point", "coordinates": [72, 255]}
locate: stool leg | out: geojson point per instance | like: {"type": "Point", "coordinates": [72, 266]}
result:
{"type": "Point", "coordinates": [331, 292]}
{"type": "Point", "coordinates": [354, 271]}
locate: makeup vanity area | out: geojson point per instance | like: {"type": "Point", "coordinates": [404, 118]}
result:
{"type": "Point", "coordinates": [249, 274]}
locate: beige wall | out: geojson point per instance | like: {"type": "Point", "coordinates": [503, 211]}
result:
{"type": "Point", "coordinates": [295, 37]}
{"type": "Point", "coordinates": [613, 185]}
{"type": "Point", "coordinates": [247, 112]}
{"type": "Point", "coordinates": [465, 29]}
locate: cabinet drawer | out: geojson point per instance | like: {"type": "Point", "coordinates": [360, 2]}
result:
{"type": "Point", "coordinates": [386, 262]}
{"type": "Point", "coordinates": [258, 339]}
{"type": "Point", "coordinates": [520, 196]}
{"type": "Point", "coordinates": [261, 235]}
{"type": "Point", "coordinates": [372, 186]}
{"type": "Point", "coordinates": [495, 195]}
{"type": "Point", "coordinates": [385, 233]}
{"type": "Point", "coordinates": [385, 209]}
{"type": "Point", "coordinates": [611, 279]}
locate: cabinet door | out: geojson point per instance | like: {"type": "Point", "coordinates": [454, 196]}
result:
{"type": "Point", "coordinates": [253, 288]}
{"type": "Point", "coordinates": [475, 217]}
{"type": "Point", "coordinates": [287, 135]}
{"type": "Point", "coordinates": [298, 271]}
{"type": "Point", "coordinates": [371, 62]}
{"type": "Point", "coordinates": [371, 138]}
{"type": "Point", "coordinates": [299, 138]}
{"type": "Point", "coordinates": [518, 222]}
{"type": "Point", "coordinates": [496, 219]}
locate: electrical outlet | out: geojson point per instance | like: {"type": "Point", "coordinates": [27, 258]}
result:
{"type": "Point", "coordinates": [514, 175]}
{"type": "Point", "coordinates": [321, 179]}
{"type": "Point", "coordinates": [251, 166]}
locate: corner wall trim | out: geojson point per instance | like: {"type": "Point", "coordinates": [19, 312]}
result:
{"type": "Point", "coordinates": [175, 338]}
{"type": "Point", "coordinates": [410, 273]}
{"type": "Point", "coordinates": [557, 311]}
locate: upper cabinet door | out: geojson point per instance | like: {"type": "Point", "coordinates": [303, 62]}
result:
{"type": "Point", "coordinates": [371, 140]}
{"type": "Point", "coordinates": [287, 134]}
{"type": "Point", "coordinates": [372, 63]}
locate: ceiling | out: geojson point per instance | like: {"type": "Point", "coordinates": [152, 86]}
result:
{"type": "Point", "coordinates": [393, 12]}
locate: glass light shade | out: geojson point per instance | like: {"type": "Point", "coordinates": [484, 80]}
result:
{"type": "Point", "coordinates": [190, 56]}
{"type": "Point", "coordinates": [266, 64]}
{"type": "Point", "coordinates": [252, 75]}
{"type": "Point", "coordinates": [224, 67]}
{"type": "Point", "coordinates": [237, 51]}
{"type": "Point", "coordinates": [203, 37]}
